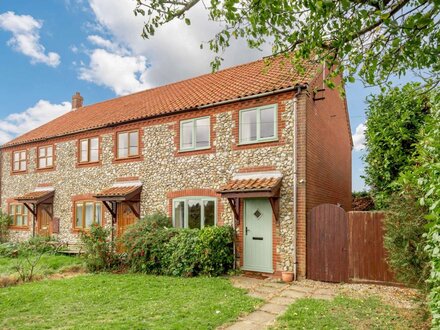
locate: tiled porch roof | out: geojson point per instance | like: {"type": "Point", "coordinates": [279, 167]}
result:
{"type": "Point", "coordinates": [35, 196]}
{"type": "Point", "coordinates": [252, 184]}
{"type": "Point", "coordinates": [117, 191]}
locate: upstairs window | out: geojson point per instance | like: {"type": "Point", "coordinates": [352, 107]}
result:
{"type": "Point", "coordinates": [89, 150]}
{"type": "Point", "coordinates": [195, 134]}
{"type": "Point", "coordinates": [194, 212]}
{"type": "Point", "coordinates": [45, 157]}
{"type": "Point", "coordinates": [19, 161]}
{"type": "Point", "coordinates": [87, 213]}
{"type": "Point", "coordinates": [127, 144]}
{"type": "Point", "coordinates": [19, 214]}
{"type": "Point", "coordinates": [258, 124]}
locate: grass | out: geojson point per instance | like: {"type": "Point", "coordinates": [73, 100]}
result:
{"type": "Point", "coordinates": [348, 313]}
{"type": "Point", "coordinates": [49, 264]}
{"type": "Point", "coordinates": [129, 301]}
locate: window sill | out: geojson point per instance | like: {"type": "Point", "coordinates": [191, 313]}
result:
{"type": "Point", "coordinates": [194, 149]}
{"type": "Point", "coordinates": [257, 142]}
{"type": "Point", "coordinates": [19, 172]}
{"type": "Point", "coordinates": [129, 159]}
{"type": "Point", "coordinates": [89, 164]}
{"type": "Point", "coordinates": [22, 228]}
{"type": "Point", "coordinates": [45, 169]}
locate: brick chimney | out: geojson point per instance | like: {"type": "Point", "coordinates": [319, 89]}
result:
{"type": "Point", "coordinates": [77, 101]}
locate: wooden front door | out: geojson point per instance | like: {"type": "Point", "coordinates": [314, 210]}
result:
{"type": "Point", "coordinates": [44, 220]}
{"type": "Point", "coordinates": [258, 235]}
{"type": "Point", "coordinates": [125, 218]}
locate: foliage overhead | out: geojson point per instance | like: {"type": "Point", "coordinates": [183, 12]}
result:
{"type": "Point", "coordinates": [394, 119]}
{"type": "Point", "coordinates": [375, 38]}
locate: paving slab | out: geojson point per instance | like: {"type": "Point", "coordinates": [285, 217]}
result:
{"type": "Point", "coordinates": [304, 289]}
{"type": "Point", "coordinates": [293, 294]}
{"type": "Point", "coordinates": [260, 317]}
{"type": "Point", "coordinates": [277, 285]}
{"type": "Point", "coordinates": [273, 308]}
{"type": "Point", "coordinates": [260, 295]}
{"type": "Point", "coordinates": [267, 289]}
{"type": "Point", "coordinates": [244, 325]}
{"type": "Point", "coordinates": [282, 301]}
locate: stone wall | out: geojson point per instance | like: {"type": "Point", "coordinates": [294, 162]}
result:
{"type": "Point", "coordinates": [163, 169]}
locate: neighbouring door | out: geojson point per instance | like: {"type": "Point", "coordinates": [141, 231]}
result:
{"type": "Point", "coordinates": [44, 219]}
{"type": "Point", "coordinates": [258, 235]}
{"type": "Point", "coordinates": [125, 218]}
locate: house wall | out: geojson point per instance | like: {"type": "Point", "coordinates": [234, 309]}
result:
{"type": "Point", "coordinates": [164, 171]}
{"type": "Point", "coordinates": [324, 157]}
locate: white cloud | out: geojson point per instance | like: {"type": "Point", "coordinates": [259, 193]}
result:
{"type": "Point", "coordinates": [359, 138]}
{"type": "Point", "coordinates": [123, 74]}
{"type": "Point", "coordinates": [174, 52]}
{"type": "Point", "coordinates": [19, 123]}
{"type": "Point", "coordinates": [26, 38]}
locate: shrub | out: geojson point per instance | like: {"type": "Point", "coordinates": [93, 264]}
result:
{"type": "Point", "coordinates": [182, 254]}
{"type": "Point", "coordinates": [98, 249]}
{"type": "Point", "coordinates": [215, 250]}
{"type": "Point", "coordinates": [405, 226]}
{"type": "Point", "coordinates": [144, 243]}
{"type": "Point", "coordinates": [5, 221]}
{"type": "Point", "coordinates": [8, 250]}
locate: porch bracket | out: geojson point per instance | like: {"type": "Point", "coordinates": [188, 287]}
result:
{"type": "Point", "coordinates": [275, 203]}
{"type": "Point", "coordinates": [111, 208]}
{"type": "Point", "coordinates": [31, 208]}
{"type": "Point", "coordinates": [133, 209]}
{"type": "Point", "coordinates": [235, 206]}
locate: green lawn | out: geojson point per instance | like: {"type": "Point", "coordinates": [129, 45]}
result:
{"type": "Point", "coordinates": [348, 313]}
{"type": "Point", "coordinates": [129, 301]}
{"type": "Point", "coordinates": [49, 264]}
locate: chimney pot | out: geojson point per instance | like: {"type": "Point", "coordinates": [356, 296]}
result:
{"type": "Point", "coordinates": [77, 101]}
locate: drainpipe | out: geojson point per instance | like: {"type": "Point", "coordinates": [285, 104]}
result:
{"type": "Point", "coordinates": [295, 174]}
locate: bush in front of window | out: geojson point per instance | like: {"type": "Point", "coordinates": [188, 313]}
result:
{"type": "Point", "coordinates": [152, 246]}
{"type": "Point", "coordinates": [5, 222]}
{"type": "Point", "coordinates": [215, 250]}
{"type": "Point", "coordinates": [99, 252]}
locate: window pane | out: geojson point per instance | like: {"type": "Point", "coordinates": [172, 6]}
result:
{"type": "Point", "coordinates": [42, 152]}
{"type": "Point", "coordinates": [179, 214]}
{"type": "Point", "coordinates": [89, 214]}
{"type": "Point", "coordinates": [94, 150]}
{"type": "Point", "coordinates": [23, 155]}
{"type": "Point", "coordinates": [134, 143]}
{"type": "Point", "coordinates": [194, 213]}
{"type": "Point", "coordinates": [16, 166]}
{"type": "Point", "coordinates": [16, 156]}
{"type": "Point", "coordinates": [84, 151]}
{"type": "Point", "coordinates": [98, 213]}
{"type": "Point", "coordinates": [49, 151]}
{"type": "Point", "coordinates": [209, 212]}
{"type": "Point", "coordinates": [49, 161]}
{"type": "Point", "coordinates": [267, 123]}
{"type": "Point", "coordinates": [42, 163]}
{"type": "Point", "coordinates": [25, 220]}
{"type": "Point", "coordinates": [19, 220]}
{"type": "Point", "coordinates": [122, 145]}
{"type": "Point", "coordinates": [248, 126]}
{"type": "Point", "coordinates": [23, 165]}
{"type": "Point", "coordinates": [79, 212]}
{"type": "Point", "coordinates": [187, 135]}
{"type": "Point", "coordinates": [11, 209]}
{"type": "Point", "coordinates": [202, 133]}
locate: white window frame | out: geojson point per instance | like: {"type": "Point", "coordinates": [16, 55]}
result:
{"type": "Point", "coordinates": [259, 109]}
{"type": "Point", "coordinates": [185, 209]}
{"type": "Point", "coordinates": [193, 147]}
{"type": "Point", "coordinates": [20, 161]}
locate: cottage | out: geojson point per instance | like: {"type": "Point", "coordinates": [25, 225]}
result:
{"type": "Point", "coordinates": [252, 146]}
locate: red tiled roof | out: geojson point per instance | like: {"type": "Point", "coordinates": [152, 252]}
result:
{"type": "Point", "coordinates": [229, 84]}
{"type": "Point", "coordinates": [34, 195]}
{"type": "Point", "coordinates": [117, 191]}
{"type": "Point", "coordinates": [242, 185]}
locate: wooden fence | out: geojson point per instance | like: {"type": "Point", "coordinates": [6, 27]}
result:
{"type": "Point", "coordinates": [345, 247]}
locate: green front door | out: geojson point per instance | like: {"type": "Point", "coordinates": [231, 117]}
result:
{"type": "Point", "coordinates": [257, 235]}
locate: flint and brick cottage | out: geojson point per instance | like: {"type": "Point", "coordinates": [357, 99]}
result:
{"type": "Point", "coordinates": [252, 146]}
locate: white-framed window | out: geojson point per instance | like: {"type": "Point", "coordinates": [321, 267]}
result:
{"type": "Point", "coordinates": [127, 144]}
{"type": "Point", "coordinates": [195, 134]}
{"type": "Point", "coordinates": [194, 212]}
{"type": "Point", "coordinates": [87, 213]}
{"type": "Point", "coordinates": [89, 150]}
{"type": "Point", "coordinates": [258, 124]}
{"type": "Point", "coordinates": [19, 161]}
{"type": "Point", "coordinates": [45, 157]}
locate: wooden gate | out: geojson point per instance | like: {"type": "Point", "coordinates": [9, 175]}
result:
{"type": "Point", "coordinates": [344, 247]}
{"type": "Point", "coordinates": [327, 244]}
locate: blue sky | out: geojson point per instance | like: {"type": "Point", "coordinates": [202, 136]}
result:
{"type": "Point", "coordinates": [51, 49]}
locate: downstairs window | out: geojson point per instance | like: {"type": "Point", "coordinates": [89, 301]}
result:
{"type": "Point", "coordinates": [194, 212]}
{"type": "Point", "coordinates": [87, 213]}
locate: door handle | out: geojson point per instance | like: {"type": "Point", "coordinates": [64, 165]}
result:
{"type": "Point", "coordinates": [247, 230]}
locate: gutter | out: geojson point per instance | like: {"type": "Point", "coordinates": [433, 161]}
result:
{"type": "Point", "coordinates": [237, 99]}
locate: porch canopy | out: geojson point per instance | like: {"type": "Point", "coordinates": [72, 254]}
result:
{"type": "Point", "coordinates": [127, 192]}
{"type": "Point", "coordinates": [253, 185]}
{"type": "Point", "coordinates": [41, 195]}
